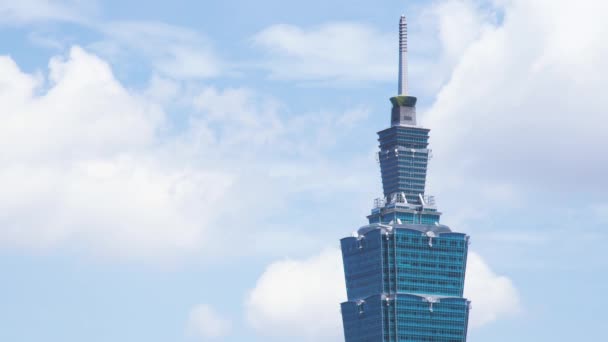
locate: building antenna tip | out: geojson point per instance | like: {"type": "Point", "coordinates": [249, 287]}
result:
{"type": "Point", "coordinates": [402, 82]}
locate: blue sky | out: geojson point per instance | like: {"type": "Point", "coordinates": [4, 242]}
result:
{"type": "Point", "coordinates": [183, 171]}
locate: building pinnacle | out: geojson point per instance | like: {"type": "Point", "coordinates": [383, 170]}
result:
{"type": "Point", "coordinates": [402, 88]}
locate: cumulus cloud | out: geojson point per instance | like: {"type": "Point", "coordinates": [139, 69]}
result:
{"type": "Point", "coordinates": [529, 87]}
{"type": "Point", "coordinates": [81, 160]}
{"type": "Point", "coordinates": [205, 324]}
{"type": "Point", "coordinates": [86, 163]}
{"type": "Point", "coordinates": [339, 52]}
{"type": "Point", "coordinates": [82, 105]}
{"type": "Point", "coordinates": [439, 35]}
{"type": "Point", "coordinates": [492, 295]}
{"type": "Point", "coordinates": [299, 299]}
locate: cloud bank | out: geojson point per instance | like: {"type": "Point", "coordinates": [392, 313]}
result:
{"type": "Point", "coordinates": [529, 87]}
{"type": "Point", "coordinates": [80, 160]}
{"type": "Point", "coordinates": [88, 164]}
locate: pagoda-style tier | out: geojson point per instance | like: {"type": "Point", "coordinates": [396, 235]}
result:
{"type": "Point", "coordinates": [403, 159]}
{"type": "Point", "coordinates": [433, 311]}
{"type": "Point", "coordinates": [423, 259]}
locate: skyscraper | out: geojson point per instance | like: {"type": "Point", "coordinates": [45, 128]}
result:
{"type": "Point", "coordinates": [404, 270]}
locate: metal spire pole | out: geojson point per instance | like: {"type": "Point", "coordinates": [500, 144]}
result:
{"type": "Point", "coordinates": [402, 88]}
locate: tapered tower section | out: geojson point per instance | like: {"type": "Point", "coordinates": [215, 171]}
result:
{"type": "Point", "coordinates": [404, 270]}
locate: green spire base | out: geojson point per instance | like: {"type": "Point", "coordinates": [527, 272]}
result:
{"type": "Point", "coordinates": [403, 101]}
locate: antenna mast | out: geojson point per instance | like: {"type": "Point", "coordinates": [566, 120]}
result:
{"type": "Point", "coordinates": [402, 88]}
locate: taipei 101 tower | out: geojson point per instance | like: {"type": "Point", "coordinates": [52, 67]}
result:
{"type": "Point", "coordinates": [404, 270]}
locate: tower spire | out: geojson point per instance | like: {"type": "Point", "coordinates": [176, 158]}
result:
{"type": "Point", "coordinates": [402, 88]}
{"type": "Point", "coordinates": [404, 105]}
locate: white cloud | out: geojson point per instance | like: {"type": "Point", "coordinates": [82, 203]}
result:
{"type": "Point", "coordinates": [205, 324]}
{"type": "Point", "coordinates": [347, 52]}
{"type": "Point", "coordinates": [77, 116]}
{"type": "Point", "coordinates": [172, 51]}
{"type": "Point", "coordinates": [27, 11]}
{"type": "Point", "coordinates": [529, 88]}
{"type": "Point", "coordinates": [299, 299]}
{"type": "Point", "coordinates": [520, 121]}
{"type": "Point", "coordinates": [439, 35]}
{"type": "Point", "coordinates": [87, 164]}
{"type": "Point", "coordinates": [337, 52]}
{"type": "Point", "coordinates": [492, 295]}
{"type": "Point", "coordinates": [458, 23]}
{"type": "Point", "coordinates": [237, 109]}
{"type": "Point", "coordinates": [82, 161]}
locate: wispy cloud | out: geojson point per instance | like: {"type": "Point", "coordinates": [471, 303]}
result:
{"type": "Point", "coordinates": [334, 52]}
{"type": "Point", "coordinates": [34, 11]}
{"type": "Point", "coordinates": [170, 50]}
{"type": "Point", "coordinates": [205, 324]}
